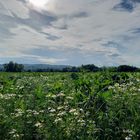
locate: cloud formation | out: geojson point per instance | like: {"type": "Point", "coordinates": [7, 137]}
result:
{"type": "Point", "coordinates": [71, 32]}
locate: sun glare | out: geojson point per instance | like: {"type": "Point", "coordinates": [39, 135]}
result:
{"type": "Point", "coordinates": [38, 3]}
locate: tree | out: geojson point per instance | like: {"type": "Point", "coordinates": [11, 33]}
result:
{"type": "Point", "coordinates": [13, 67]}
{"type": "Point", "coordinates": [90, 68]}
{"type": "Point", "coordinates": [126, 68]}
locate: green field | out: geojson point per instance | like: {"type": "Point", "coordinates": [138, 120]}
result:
{"type": "Point", "coordinates": [69, 106]}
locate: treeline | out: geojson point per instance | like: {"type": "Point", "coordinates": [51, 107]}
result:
{"type": "Point", "coordinates": [93, 68]}
{"type": "Point", "coordinates": [15, 67]}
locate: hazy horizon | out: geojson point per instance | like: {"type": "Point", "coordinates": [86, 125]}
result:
{"type": "Point", "coordinates": [70, 32]}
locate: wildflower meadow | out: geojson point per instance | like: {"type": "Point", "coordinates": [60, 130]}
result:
{"type": "Point", "coordinates": [70, 106]}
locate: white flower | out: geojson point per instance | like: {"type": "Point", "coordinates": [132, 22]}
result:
{"type": "Point", "coordinates": [41, 111]}
{"type": "Point", "coordinates": [52, 110]}
{"type": "Point", "coordinates": [81, 121]}
{"type": "Point", "coordinates": [15, 135]}
{"type": "Point", "coordinates": [53, 96]}
{"type": "Point", "coordinates": [57, 120]}
{"type": "Point", "coordinates": [110, 87]}
{"type": "Point", "coordinates": [48, 95]}
{"type": "Point", "coordinates": [81, 110]}
{"type": "Point", "coordinates": [75, 113]}
{"type": "Point", "coordinates": [20, 96]}
{"type": "Point", "coordinates": [61, 94]}
{"type": "Point", "coordinates": [116, 85]}
{"type": "Point", "coordinates": [38, 124]}
{"type": "Point", "coordinates": [35, 112]}
{"type": "Point", "coordinates": [13, 131]}
{"type": "Point", "coordinates": [72, 110]}
{"type": "Point", "coordinates": [1, 96]}
{"type": "Point", "coordinates": [61, 113]}
{"type": "Point", "coordinates": [29, 111]}
{"type": "Point", "coordinates": [19, 112]}
{"type": "Point", "coordinates": [127, 138]}
{"type": "Point", "coordinates": [69, 98]}
{"type": "Point", "coordinates": [60, 107]}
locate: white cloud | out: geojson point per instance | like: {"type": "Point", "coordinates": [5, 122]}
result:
{"type": "Point", "coordinates": [15, 7]}
{"type": "Point", "coordinates": [51, 60]}
{"type": "Point", "coordinates": [96, 25]}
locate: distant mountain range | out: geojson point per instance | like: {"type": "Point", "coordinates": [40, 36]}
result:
{"type": "Point", "coordinates": [43, 66]}
{"type": "Point", "coordinates": [34, 67]}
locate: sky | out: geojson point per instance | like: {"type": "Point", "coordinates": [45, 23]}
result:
{"type": "Point", "coordinates": [70, 32]}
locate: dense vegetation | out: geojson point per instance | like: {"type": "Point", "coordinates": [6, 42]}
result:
{"type": "Point", "coordinates": [70, 106]}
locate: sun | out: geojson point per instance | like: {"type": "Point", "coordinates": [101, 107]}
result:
{"type": "Point", "coordinates": [38, 3]}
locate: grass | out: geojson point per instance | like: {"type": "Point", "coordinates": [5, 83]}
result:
{"type": "Point", "coordinates": [69, 106]}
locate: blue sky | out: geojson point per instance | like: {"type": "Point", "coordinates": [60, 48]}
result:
{"type": "Point", "coordinates": [73, 32]}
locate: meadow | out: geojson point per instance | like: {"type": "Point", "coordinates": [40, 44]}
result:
{"type": "Point", "coordinates": [70, 106]}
